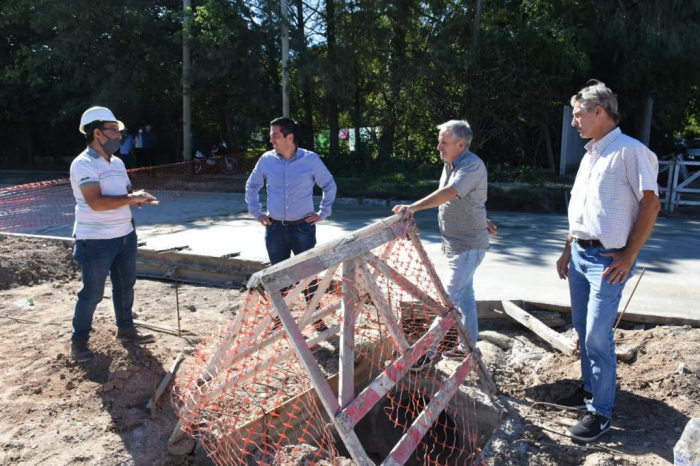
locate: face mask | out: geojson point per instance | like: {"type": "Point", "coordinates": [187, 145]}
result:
{"type": "Point", "coordinates": [111, 146]}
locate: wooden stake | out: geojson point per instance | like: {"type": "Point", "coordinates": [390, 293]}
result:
{"type": "Point", "coordinates": [158, 392]}
{"type": "Point", "coordinates": [630, 298]}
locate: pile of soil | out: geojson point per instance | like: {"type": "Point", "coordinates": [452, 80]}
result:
{"type": "Point", "coordinates": [30, 261]}
{"type": "Point", "coordinates": [658, 393]}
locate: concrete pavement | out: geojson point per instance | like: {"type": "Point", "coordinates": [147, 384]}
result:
{"type": "Point", "coordinates": [519, 265]}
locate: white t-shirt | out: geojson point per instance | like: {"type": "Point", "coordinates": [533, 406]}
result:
{"type": "Point", "coordinates": [91, 168]}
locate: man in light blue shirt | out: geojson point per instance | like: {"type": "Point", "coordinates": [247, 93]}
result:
{"type": "Point", "coordinates": [289, 174]}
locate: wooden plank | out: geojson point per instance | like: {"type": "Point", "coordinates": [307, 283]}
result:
{"type": "Point", "coordinates": [644, 318]}
{"type": "Point", "coordinates": [318, 295]}
{"type": "Point", "coordinates": [385, 313]}
{"type": "Point", "coordinates": [405, 447]}
{"type": "Point", "coordinates": [428, 264]}
{"type": "Point", "coordinates": [413, 290]}
{"type": "Point", "coordinates": [349, 309]}
{"type": "Point", "coordinates": [166, 380]}
{"type": "Point", "coordinates": [296, 291]}
{"type": "Point", "coordinates": [371, 395]}
{"type": "Point", "coordinates": [405, 284]}
{"type": "Point", "coordinates": [318, 381]}
{"type": "Point", "coordinates": [315, 262]}
{"type": "Point", "coordinates": [319, 250]}
{"type": "Point", "coordinates": [555, 339]}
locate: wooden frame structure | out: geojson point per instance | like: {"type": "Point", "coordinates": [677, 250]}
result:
{"type": "Point", "coordinates": [359, 286]}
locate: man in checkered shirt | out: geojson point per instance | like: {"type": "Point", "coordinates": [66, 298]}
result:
{"type": "Point", "coordinates": [465, 230]}
{"type": "Point", "coordinates": [613, 207]}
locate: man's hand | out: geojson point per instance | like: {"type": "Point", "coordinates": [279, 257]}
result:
{"type": "Point", "coordinates": [265, 220]}
{"type": "Point", "coordinates": [141, 197]}
{"type": "Point", "coordinates": [313, 218]}
{"type": "Point", "coordinates": [399, 208]}
{"type": "Point", "coordinates": [491, 227]}
{"type": "Point", "coordinates": [619, 270]}
{"type": "Point", "coordinates": [563, 263]}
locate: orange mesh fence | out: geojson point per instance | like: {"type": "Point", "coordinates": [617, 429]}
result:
{"type": "Point", "coordinates": [250, 398]}
{"type": "Point", "coordinates": [50, 203]}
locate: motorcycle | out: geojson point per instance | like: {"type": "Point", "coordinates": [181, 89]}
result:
{"type": "Point", "coordinates": [218, 154]}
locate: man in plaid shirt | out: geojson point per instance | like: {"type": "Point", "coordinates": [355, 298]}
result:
{"type": "Point", "coordinates": [613, 207]}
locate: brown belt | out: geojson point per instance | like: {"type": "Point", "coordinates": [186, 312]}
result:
{"type": "Point", "coordinates": [589, 243]}
{"type": "Point", "coordinates": [301, 221]}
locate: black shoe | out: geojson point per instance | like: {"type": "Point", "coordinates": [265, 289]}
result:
{"type": "Point", "coordinates": [423, 363]}
{"type": "Point", "coordinates": [320, 326]}
{"type": "Point", "coordinates": [576, 400]}
{"type": "Point", "coordinates": [80, 352]}
{"type": "Point", "coordinates": [134, 336]}
{"type": "Point", "coordinates": [589, 428]}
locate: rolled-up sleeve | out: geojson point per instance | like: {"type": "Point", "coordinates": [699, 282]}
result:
{"type": "Point", "coordinates": [255, 182]}
{"type": "Point", "coordinates": [324, 179]}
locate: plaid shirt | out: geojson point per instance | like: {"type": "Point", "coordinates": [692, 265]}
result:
{"type": "Point", "coordinates": [608, 188]}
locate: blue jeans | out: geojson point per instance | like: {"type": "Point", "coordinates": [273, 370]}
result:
{"type": "Point", "coordinates": [459, 284]}
{"type": "Point", "coordinates": [98, 258]}
{"type": "Point", "coordinates": [594, 304]}
{"type": "Point", "coordinates": [283, 240]}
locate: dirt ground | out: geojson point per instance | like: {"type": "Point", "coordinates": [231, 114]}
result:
{"type": "Point", "coordinates": [55, 411]}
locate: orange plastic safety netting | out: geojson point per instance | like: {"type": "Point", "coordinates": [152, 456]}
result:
{"type": "Point", "coordinates": [28, 208]}
{"type": "Point", "coordinates": [252, 398]}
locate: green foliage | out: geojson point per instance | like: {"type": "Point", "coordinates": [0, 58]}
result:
{"type": "Point", "coordinates": [400, 67]}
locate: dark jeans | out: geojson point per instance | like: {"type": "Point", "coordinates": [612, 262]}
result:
{"type": "Point", "coordinates": [281, 241]}
{"type": "Point", "coordinates": [97, 258]}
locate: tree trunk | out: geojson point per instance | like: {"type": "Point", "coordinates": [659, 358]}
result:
{"type": "Point", "coordinates": [307, 126]}
{"type": "Point", "coordinates": [333, 113]}
{"type": "Point", "coordinates": [397, 65]}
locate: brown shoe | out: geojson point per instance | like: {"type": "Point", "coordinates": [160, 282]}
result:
{"type": "Point", "coordinates": [134, 336]}
{"type": "Point", "coordinates": [80, 352]}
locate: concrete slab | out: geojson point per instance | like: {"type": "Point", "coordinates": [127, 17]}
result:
{"type": "Point", "coordinates": [519, 265]}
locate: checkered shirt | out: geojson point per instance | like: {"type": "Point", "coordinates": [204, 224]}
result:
{"type": "Point", "coordinates": [463, 219]}
{"type": "Point", "coordinates": [608, 188]}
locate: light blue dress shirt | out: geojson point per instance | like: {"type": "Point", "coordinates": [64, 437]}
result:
{"type": "Point", "coordinates": [290, 185]}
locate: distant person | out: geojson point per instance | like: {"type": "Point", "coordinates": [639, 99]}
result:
{"type": "Point", "coordinates": [465, 230]}
{"type": "Point", "coordinates": [613, 207]}
{"type": "Point", "coordinates": [105, 240]}
{"type": "Point", "coordinates": [149, 140]}
{"type": "Point", "coordinates": [289, 174]}
{"type": "Point", "coordinates": [126, 148]}
{"type": "Point", "coordinates": [138, 148]}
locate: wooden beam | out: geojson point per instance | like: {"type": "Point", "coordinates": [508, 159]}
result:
{"type": "Point", "coordinates": [405, 284]}
{"type": "Point", "coordinates": [318, 381]}
{"type": "Point", "coordinates": [428, 264]}
{"type": "Point", "coordinates": [350, 308]}
{"type": "Point", "coordinates": [403, 450]}
{"type": "Point", "coordinates": [643, 318]}
{"type": "Point", "coordinates": [317, 260]}
{"type": "Point", "coordinates": [318, 295]}
{"type": "Point", "coordinates": [371, 395]}
{"type": "Point", "coordinates": [385, 313]}
{"type": "Point", "coordinates": [555, 339]}
{"type": "Point", "coordinates": [166, 380]}
{"type": "Point", "coordinates": [369, 230]}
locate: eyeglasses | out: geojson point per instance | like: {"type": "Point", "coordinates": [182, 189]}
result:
{"type": "Point", "coordinates": [113, 129]}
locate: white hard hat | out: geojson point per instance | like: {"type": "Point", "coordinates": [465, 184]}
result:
{"type": "Point", "coordinates": [97, 114]}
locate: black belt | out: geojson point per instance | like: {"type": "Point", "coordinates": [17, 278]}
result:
{"type": "Point", "coordinates": [301, 221]}
{"type": "Point", "coordinates": [589, 243]}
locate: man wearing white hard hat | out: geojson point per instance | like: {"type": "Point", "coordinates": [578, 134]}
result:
{"type": "Point", "coordinates": [105, 239]}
